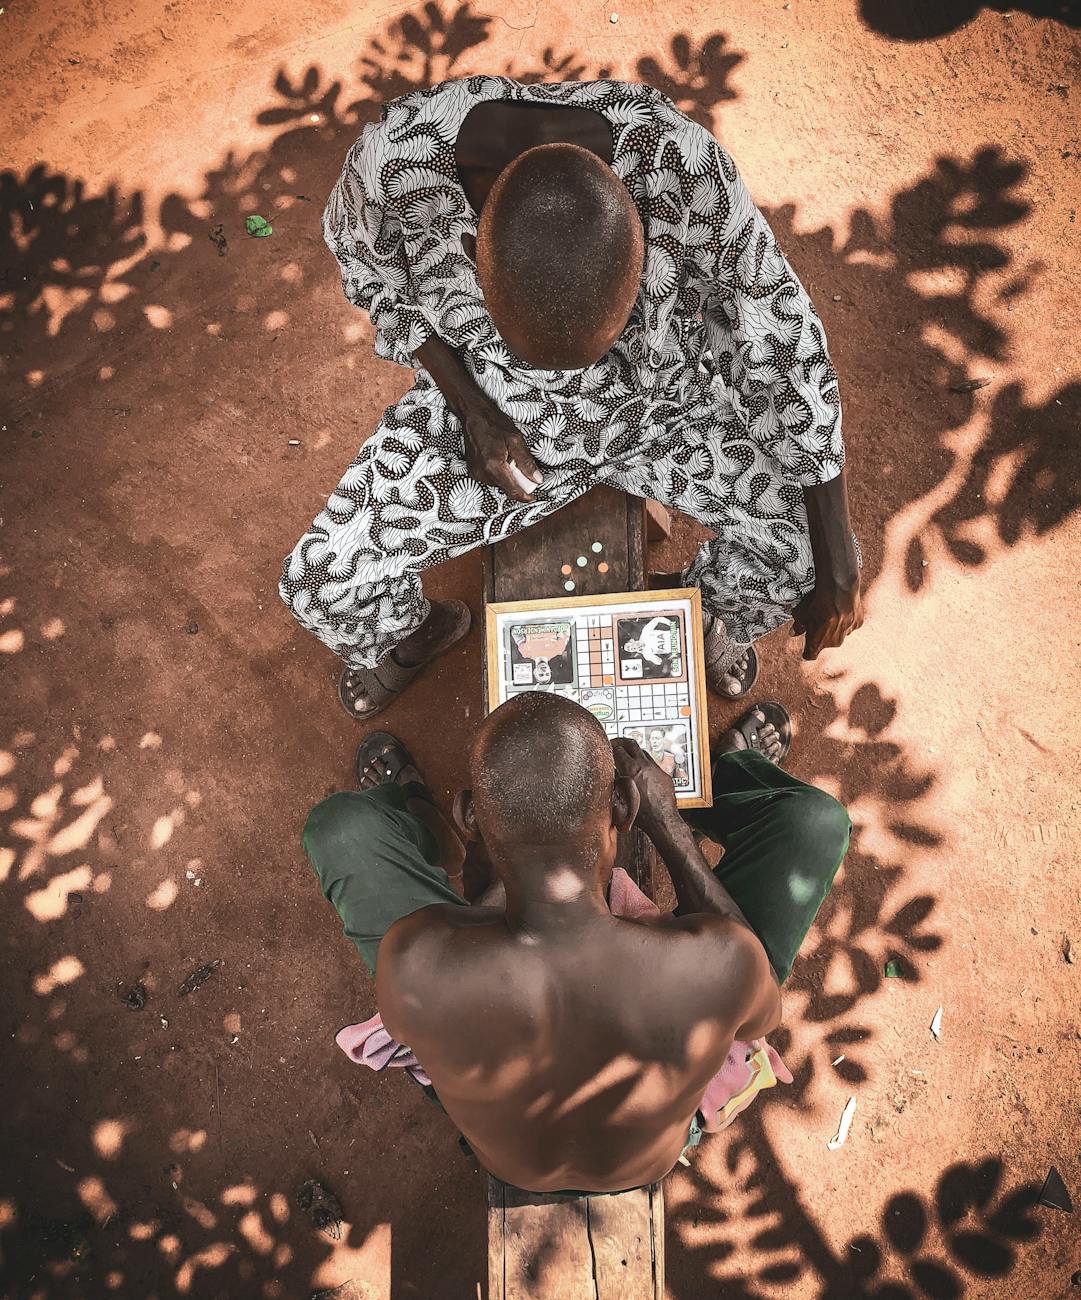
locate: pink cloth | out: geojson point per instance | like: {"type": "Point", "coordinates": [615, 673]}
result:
{"type": "Point", "coordinates": [730, 1091]}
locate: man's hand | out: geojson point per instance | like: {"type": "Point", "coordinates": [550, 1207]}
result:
{"type": "Point", "coordinates": [494, 447]}
{"type": "Point", "coordinates": [655, 789]}
{"type": "Point", "coordinates": [827, 615]}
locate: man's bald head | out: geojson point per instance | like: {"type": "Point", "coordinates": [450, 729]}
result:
{"type": "Point", "coordinates": [542, 771]}
{"type": "Point", "coordinates": [559, 256]}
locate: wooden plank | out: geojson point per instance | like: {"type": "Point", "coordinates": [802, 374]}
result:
{"type": "Point", "coordinates": [658, 522]}
{"type": "Point", "coordinates": [656, 1206]}
{"type": "Point", "coordinates": [621, 1234]}
{"type": "Point", "coordinates": [545, 1247]}
{"type": "Point", "coordinates": [527, 567]}
{"type": "Point", "coordinates": [496, 1280]}
{"type": "Point", "coordinates": [577, 1248]}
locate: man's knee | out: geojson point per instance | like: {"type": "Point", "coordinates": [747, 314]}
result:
{"type": "Point", "coordinates": [821, 827]}
{"type": "Point", "coordinates": [340, 823]}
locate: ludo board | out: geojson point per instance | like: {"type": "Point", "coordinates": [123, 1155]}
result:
{"type": "Point", "coordinates": [634, 660]}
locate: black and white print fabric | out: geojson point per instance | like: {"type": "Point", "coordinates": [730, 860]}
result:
{"type": "Point", "coordinates": [718, 399]}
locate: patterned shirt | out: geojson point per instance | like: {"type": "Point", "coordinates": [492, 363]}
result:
{"type": "Point", "coordinates": [720, 318]}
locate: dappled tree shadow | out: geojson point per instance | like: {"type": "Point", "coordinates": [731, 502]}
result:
{"type": "Point", "coordinates": [697, 79]}
{"type": "Point", "coordinates": [923, 20]}
{"type": "Point", "coordinates": [1024, 478]}
{"type": "Point", "coordinates": [925, 266]}
{"type": "Point", "coordinates": [938, 1245]}
{"type": "Point", "coordinates": [59, 244]}
{"type": "Point", "coordinates": [80, 281]}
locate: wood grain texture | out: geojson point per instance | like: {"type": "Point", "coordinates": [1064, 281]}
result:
{"type": "Point", "coordinates": [527, 567]}
{"type": "Point", "coordinates": [579, 1248]}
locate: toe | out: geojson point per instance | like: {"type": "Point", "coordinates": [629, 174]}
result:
{"type": "Point", "coordinates": [732, 685]}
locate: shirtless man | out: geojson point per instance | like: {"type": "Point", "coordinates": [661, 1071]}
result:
{"type": "Point", "coordinates": [585, 292]}
{"type": "Point", "coordinates": [569, 1046]}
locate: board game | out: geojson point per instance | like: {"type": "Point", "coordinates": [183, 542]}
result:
{"type": "Point", "coordinates": [634, 660]}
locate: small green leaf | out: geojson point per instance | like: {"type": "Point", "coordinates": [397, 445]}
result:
{"type": "Point", "coordinates": [258, 227]}
{"type": "Point", "coordinates": [893, 969]}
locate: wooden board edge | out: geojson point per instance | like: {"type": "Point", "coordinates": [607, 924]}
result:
{"type": "Point", "coordinates": [661, 597]}
{"type": "Point", "coordinates": [656, 1228]}
{"type": "Point", "coordinates": [705, 767]}
{"type": "Point", "coordinates": [497, 1252]}
{"type": "Point", "coordinates": [492, 658]}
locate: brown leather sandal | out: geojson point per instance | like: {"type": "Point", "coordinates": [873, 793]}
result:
{"type": "Point", "coordinates": [716, 642]}
{"type": "Point", "coordinates": [381, 685]}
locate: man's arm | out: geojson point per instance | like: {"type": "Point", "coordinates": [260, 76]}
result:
{"type": "Point", "coordinates": [770, 346]}
{"type": "Point", "coordinates": [492, 440]}
{"type": "Point", "coordinates": [367, 238]}
{"type": "Point", "coordinates": [749, 978]}
{"type": "Point", "coordinates": [833, 608]}
{"type": "Point", "coordinates": [746, 974]}
{"type": "Point", "coordinates": [697, 888]}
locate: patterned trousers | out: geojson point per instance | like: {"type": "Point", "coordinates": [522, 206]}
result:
{"type": "Point", "coordinates": [407, 503]}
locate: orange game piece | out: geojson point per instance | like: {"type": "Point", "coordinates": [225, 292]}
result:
{"type": "Point", "coordinates": [602, 567]}
{"type": "Point", "coordinates": [685, 711]}
{"type": "Point", "coordinates": [565, 570]}
{"type": "Point", "coordinates": [608, 681]}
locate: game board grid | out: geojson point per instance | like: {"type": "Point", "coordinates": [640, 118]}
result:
{"type": "Point", "coordinates": [636, 703]}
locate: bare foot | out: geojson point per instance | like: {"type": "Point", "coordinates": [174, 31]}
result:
{"type": "Point", "coordinates": [427, 642]}
{"type": "Point", "coordinates": [733, 682]}
{"type": "Point", "coordinates": [375, 769]}
{"type": "Point", "coordinates": [382, 759]}
{"type": "Point", "coordinates": [769, 742]}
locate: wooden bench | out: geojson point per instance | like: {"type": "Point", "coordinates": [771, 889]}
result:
{"type": "Point", "coordinates": [575, 1248]}
{"type": "Point", "coordinates": [527, 567]}
{"type": "Point", "coordinates": [578, 1248]}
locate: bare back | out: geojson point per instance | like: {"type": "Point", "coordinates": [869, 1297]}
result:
{"type": "Point", "coordinates": [576, 1059]}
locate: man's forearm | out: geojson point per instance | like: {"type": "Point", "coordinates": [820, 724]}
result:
{"type": "Point", "coordinates": [451, 377]}
{"type": "Point", "coordinates": [831, 530]}
{"type": "Point", "coordinates": [697, 888]}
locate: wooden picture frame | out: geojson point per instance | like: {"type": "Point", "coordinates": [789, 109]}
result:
{"type": "Point", "coordinates": [684, 681]}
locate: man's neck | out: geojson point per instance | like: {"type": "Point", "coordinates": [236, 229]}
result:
{"type": "Point", "coordinates": [550, 893]}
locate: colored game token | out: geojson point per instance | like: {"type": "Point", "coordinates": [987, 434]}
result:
{"type": "Point", "coordinates": [596, 548]}
{"type": "Point", "coordinates": [568, 586]}
{"type": "Point", "coordinates": [581, 561]}
{"type": "Point", "coordinates": [565, 570]}
{"type": "Point", "coordinates": [602, 567]}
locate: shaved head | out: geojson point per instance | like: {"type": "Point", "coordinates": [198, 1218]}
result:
{"type": "Point", "coordinates": [542, 770]}
{"type": "Point", "coordinates": [559, 256]}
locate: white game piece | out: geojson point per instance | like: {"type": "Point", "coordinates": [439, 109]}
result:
{"type": "Point", "coordinates": [568, 585]}
{"type": "Point", "coordinates": [596, 548]}
{"type": "Point", "coordinates": [581, 561]}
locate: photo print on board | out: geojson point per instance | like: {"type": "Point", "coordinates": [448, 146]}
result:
{"type": "Point", "coordinates": [668, 744]}
{"type": "Point", "coordinates": [651, 648]}
{"type": "Point", "coordinates": [541, 653]}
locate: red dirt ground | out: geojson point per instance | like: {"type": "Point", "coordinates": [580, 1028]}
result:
{"type": "Point", "coordinates": [166, 726]}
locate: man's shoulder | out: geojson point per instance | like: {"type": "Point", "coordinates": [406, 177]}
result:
{"type": "Point", "coordinates": [719, 947]}
{"type": "Point", "coordinates": [419, 936]}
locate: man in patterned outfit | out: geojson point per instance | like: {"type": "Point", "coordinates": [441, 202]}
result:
{"type": "Point", "coordinates": [586, 294]}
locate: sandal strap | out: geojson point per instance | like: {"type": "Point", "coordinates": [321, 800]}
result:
{"type": "Point", "coordinates": [380, 684]}
{"type": "Point", "coordinates": [391, 755]}
{"type": "Point", "coordinates": [748, 726]}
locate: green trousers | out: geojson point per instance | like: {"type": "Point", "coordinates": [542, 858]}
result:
{"type": "Point", "coordinates": [783, 841]}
